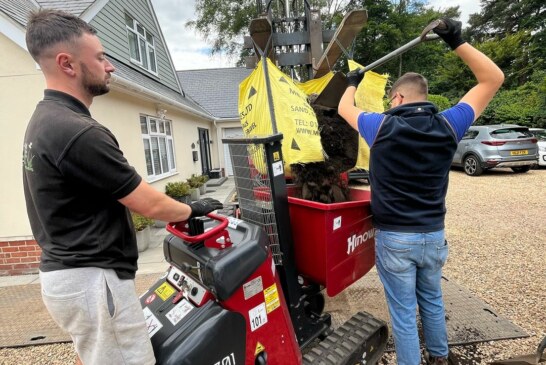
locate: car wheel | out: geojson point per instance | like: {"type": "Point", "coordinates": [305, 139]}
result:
{"type": "Point", "coordinates": [472, 166]}
{"type": "Point", "coordinates": [521, 169]}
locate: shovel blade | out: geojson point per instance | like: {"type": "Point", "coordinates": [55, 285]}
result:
{"type": "Point", "coordinates": [332, 93]}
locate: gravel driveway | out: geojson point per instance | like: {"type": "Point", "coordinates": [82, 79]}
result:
{"type": "Point", "coordinates": [496, 228]}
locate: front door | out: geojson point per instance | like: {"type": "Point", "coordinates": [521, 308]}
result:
{"type": "Point", "coordinates": [204, 149]}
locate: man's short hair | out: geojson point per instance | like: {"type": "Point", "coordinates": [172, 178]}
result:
{"type": "Point", "coordinates": [47, 27]}
{"type": "Point", "coordinates": [411, 80]}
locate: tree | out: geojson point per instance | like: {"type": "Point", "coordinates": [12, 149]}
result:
{"type": "Point", "coordinates": [511, 32]}
{"type": "Point", "coordinates": [392, 25]}
{"type": "Point", "coordinates": [523, 105]}
{"type": "Point", "coordinates": [440, 101]}
{"type": "Point", "coordinates": [225, 23]}
{"type": "Point", "coordinates": [503, 18]}
{"type": "Point", "coordinates": [511, 53]}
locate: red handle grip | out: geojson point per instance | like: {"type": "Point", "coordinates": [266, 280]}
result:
{"type": "Point", "coordinates": [179, 229]}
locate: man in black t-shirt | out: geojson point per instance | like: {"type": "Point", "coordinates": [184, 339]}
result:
{"type": "Point", "coordinates": [79, 189]}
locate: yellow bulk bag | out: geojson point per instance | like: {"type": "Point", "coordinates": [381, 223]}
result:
{"type": "Point", "coordinates": [315, 86]}
{"type": "Point", "coordinates": [368, 97]}
{"type": "Point", "coordinates": [292, 114]}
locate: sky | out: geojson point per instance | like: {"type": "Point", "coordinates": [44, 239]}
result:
{"type": "Point", "coordinates": [190, 51]}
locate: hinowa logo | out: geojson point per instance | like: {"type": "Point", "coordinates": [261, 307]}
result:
{"type": "Point", "coordinates": [356, 240]}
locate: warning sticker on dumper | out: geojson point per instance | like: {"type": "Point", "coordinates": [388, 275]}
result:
{"type": "Point", "coordinates": [152, 323]}
{"type": "Point", "coordinates": [272, 300]}
{"type": "Point", "coordinates": [259, 348]}
{"type": "Point", "coordinates": [165, 291]}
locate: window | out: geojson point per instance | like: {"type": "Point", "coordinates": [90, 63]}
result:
{"type": "Point", "coordinates": [141, 45]}
{"type": "Point", "coordinates": [470, 134]}
{"type": "Point", "coordinates": [510, 133]}
{"type": "Point", "coordinates": [158, 146]}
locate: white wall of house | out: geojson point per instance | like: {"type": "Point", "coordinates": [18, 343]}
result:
{"type": "Point", "coordinates": [120, 112]}
{"type": "Point", "coordinates": [21, 87]}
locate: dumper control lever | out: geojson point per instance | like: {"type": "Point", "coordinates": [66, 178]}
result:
{"type": "Point", "coordinates": [216, 237]}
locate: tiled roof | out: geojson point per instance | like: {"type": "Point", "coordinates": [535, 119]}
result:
{"type": "Point", "coordinates": [146, 82]}
{"type": "Point", "coordinates": [18, 10]}
{"type": "Point", "coordinates": [216, 90]}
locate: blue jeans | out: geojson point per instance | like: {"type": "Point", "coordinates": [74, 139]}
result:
{"type": "Point", "coordinates": [410, 268]}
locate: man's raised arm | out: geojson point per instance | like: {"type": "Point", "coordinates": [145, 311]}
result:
{"type": "Point", "coordinates": [487, 73]}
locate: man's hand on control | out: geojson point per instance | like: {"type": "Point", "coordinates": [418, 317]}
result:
{"type": "Point", "coordinates": [451, 34]}
{"type": "Point", "coordinates": [354, 77]}
{"type": "Point", "coordinates": [204, 206]}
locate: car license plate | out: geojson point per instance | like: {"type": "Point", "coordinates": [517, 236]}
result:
{"type": "Point", "coordinates": [519, 152]}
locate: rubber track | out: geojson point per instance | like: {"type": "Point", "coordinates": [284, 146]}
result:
{"type": "Point", "coordinates": [345, 345]}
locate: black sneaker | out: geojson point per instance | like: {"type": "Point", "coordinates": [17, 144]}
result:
{"type": "Point", "coordinates": [433, 360]}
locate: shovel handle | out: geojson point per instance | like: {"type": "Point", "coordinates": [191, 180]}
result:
{"type": "Point", "coordinates": [424, 37]}
{"type": "Point", "coordinates": [439, 23]}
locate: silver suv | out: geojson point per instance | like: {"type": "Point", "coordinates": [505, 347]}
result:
{"type": "Point", "coordinates": [488, 146]}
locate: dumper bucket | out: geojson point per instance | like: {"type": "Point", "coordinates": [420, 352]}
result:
{"type": "Point", "coordinates": [334, 244]}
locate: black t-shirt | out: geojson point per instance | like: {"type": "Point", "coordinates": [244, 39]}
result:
{"type": "Point", "coordinates": [73, 174]}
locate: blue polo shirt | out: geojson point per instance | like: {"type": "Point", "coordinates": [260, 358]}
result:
{"type": "Point", "coordinates": [411, 149]}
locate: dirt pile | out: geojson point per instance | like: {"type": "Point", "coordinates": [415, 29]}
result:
{"type": "Point", "coordinates": [321, 181]}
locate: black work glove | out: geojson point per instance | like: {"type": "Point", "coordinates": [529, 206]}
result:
{"type": "Point", "coordinates": [204, 206]}
{"type": "Point", "coordinates": [451, 34]}
{"type": "Point", "coordinates": [354, 77]}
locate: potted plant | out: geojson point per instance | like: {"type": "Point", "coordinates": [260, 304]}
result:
{"type": "Point", "coordinates": [179, 190]}
{"type": "Point", "coordinates": [142, 229]}
{"type": "Point", "coordinates": [203, 187]}
{"type": "Point", "coordinates": [195, 183]}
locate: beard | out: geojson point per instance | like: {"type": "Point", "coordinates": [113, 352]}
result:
{"type": "Point", "coordinates": [92, 85]}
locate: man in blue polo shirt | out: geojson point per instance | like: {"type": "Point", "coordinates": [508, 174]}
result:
{"type": "Point", "coordinates": [411, 149]}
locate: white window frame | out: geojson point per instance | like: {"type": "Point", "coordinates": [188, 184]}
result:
{"type": "Point", "coordinates": [169, 145]}
{"type": "Point", "coordinates": [145, 47]}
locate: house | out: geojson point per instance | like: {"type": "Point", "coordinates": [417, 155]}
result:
{"type": "Point", "coordinates": [217, 91]}
{"type": "Point", "coordinates": [165, 134]}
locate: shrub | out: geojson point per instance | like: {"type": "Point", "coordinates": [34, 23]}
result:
{"type": "Point", "coordinates": [204, 179]}
{"type": "Point", "coordinates": [140, 222]}
{"type": "Point", "coordinates": [440, 101]}
{"type": "Point", "coordinates": [177, 189]}
{"type": "Point", "coordinates": [194, 181]}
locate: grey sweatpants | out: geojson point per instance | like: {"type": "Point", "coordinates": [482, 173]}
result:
{"type": "Point", "coordinates": [101, 313]}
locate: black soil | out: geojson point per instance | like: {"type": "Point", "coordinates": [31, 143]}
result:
{"type": "Point", "coordinates": [321, 181]}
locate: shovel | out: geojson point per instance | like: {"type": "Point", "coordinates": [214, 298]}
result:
{"type": "Point", "coordinates": [424, 37]}
{"type": "Point", "coordinates": [333, 92]}
{"type": "Point", "coordinates": [532, 359]}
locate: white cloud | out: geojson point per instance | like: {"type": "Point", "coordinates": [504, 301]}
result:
{"type": "Point", "coordinates": [188, 49]}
